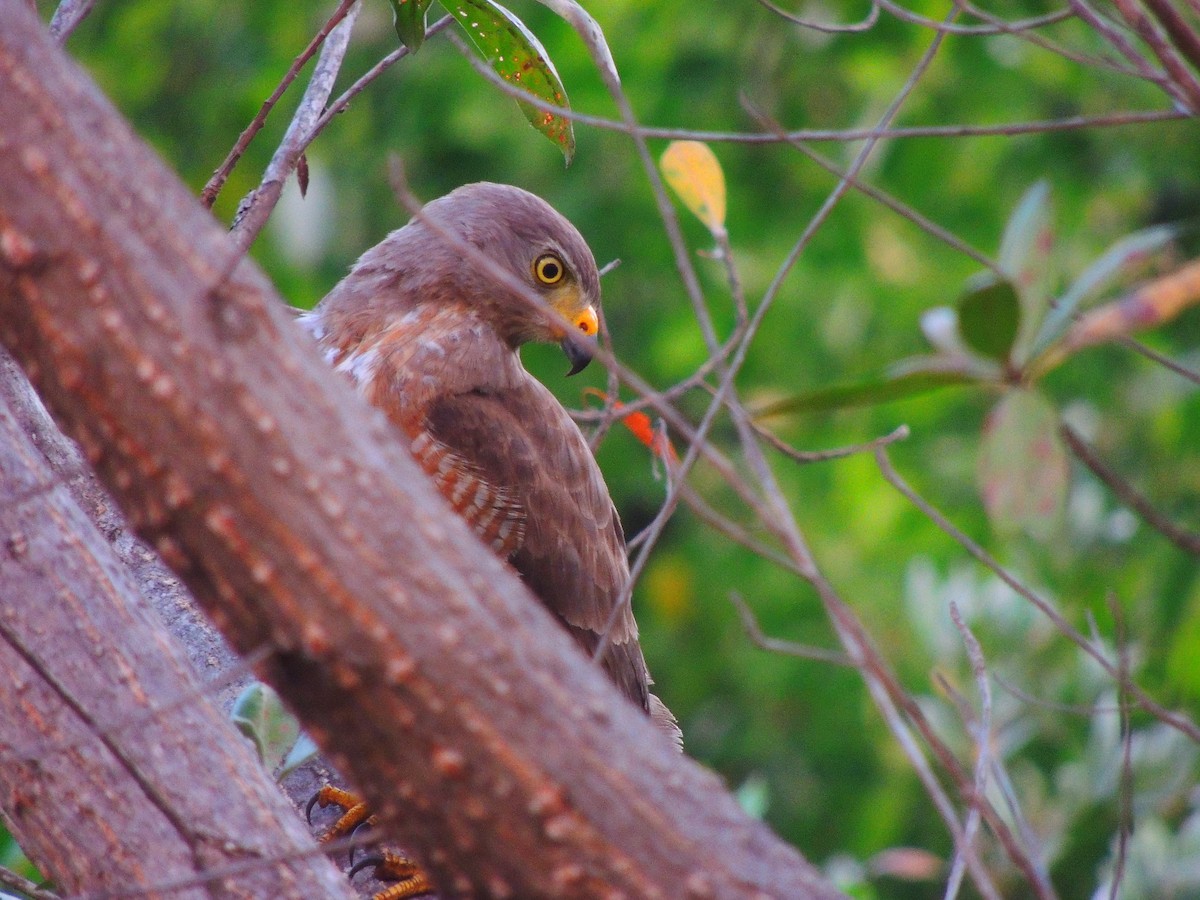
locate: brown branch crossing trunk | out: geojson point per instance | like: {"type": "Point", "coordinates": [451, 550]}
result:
{"type": "Point", "coordinates": [485, 740]}
{"type": "Point", "coordinates": [116, 772]}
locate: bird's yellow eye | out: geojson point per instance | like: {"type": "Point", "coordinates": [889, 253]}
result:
{"type": "Point", "coordinates": [549, 269]}
{"type": "Point", "coordinates": [587, 322]}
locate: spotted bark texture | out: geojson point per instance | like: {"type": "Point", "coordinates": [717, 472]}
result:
{"type": "Point", "coordinates": [116, 768]}
{"type": "Point", "coordinates": [485, 739]}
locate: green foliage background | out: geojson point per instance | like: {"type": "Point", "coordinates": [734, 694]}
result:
{"type": "Point", "coordinates": [801, 738]}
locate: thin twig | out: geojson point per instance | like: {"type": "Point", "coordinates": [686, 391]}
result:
{"type": "Point", "coordinates": [1188, 541]}
{"type": "Point", "coordinates": [982, 734]}
{"type": "Point", "coordinates": [1182, 35]}
{"type": "Point", "coordinates": [1154, 356]}
{"type": "Point", "coordinates": [42, 749]}
{"type": "Point", "coordinates": [1116, 38]}
{"type": "Point", "coordinates": [1125, 791]}
{"type": "Point", "coordinates": [994, 26]}
{"type": "Point", "coordinates": [124, 759]}
{"type": "Point", "coordinates": [256, 208]}
{"type": "Point", "coordinates": [897, 206]}
{"type": "Point", "coordinates": [230, 870]}
{"type": "Point", "coordinates": [838, 135]}
{"type": "Point", "coordinates": [778, 645]}
{"type": "Point", "coordinates": [1181, 76]}
{"type": "Point", "coordinates": [11, 879]}
{"type": "Point", "coordinates": [209, 195]}
{"type": "Point", "coordinates": [826, 28]}
{"type": "Point", "coordinates": [1175, 720]}
{"type": "Point", "coordinates": [67, 17]}
{"type": "Point", "coordinates": [900, 433]}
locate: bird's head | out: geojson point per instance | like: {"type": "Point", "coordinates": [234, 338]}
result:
{"type": "Point", "coordinates": [535, 245]}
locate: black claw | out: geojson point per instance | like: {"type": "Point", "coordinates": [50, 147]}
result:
{"type": "Point", "coordinates": [312, 801]}
{"type": "Point", "coordinates": [353, 834]}
{"type": "Point", "coordinates": [370, 861]}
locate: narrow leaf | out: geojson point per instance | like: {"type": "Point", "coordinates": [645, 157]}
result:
{"type": "Point", "coordinates": [1024, 258]}
{"type": "Point", "coordinates": [989, 316]}
{"type": "Point", "coordinates": [1023, 468]}
{"type": "Point", "coordinates": [1150, 305]}
{"type": "Point", "coordinates": [409, 18]}
{"type": "Point", "coordinates": [865, 393]}
{"type": "Point", "coordinates": [1121, 258]}
{"type": "Point", "coordinates": [519, 58]}
{"type": "Point", "coordinates": [1026, 240]}
{"type": "Point", "coordinates": [692, 171]}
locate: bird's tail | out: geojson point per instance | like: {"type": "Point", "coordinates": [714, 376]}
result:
{"type": "Point", "coordinates": [665, 719]}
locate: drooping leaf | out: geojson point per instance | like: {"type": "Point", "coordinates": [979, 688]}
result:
{"type": "Point", "coordinates": [865, 393]}
{"type": "Point", "coordinates": [1023, 467]}
{"type": "Point", "coordinates": [989, 316]}
{"type": "Point", "coordinates": [259, 714]}
{"type": "Point", "coordinates": [519, 58]}
{"type": "Point", "coordinates": [408, 16]}
{"type": "Point", "coordinates": [693, 172]}
{"type": "Point", "coordinates": [1125, 255]}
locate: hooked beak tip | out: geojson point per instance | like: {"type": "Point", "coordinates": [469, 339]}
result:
{"type": "Point", "coordinates": [578, 353]}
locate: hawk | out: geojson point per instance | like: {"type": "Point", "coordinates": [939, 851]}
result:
{"type": "Point", "coordinates": [431, 338]}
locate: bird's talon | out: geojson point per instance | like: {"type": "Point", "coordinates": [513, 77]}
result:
{"type": "Point", "coordinates": [365, 823]}
{"type": "Point", "coordinates": [368, 862]}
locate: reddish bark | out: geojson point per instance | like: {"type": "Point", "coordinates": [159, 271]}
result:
{"type": "Point", "coordinates": [486, 741]}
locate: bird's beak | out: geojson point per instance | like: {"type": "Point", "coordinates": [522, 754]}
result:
{"type": "Point", "coordinates": [579, 352]}
{"type": "Point", "coordinates": [578, 344]}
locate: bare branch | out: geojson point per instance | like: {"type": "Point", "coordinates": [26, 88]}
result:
{"type": "Point", "coordinates": [823, 27]}
{"type": "Point", "coordinates": [776, 645]}
{"type": "Point", "coordinates": [217, 181]}
{"type": "Point", "coordinates": [1185, 540]}
{"type": "Point", "coordinates": [67, 17]}
{"type": "Point", "coordinates": [1176, 720]}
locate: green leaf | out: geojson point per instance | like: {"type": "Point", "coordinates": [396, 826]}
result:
{"type": "Point", "coordinates": [1126, 254]}
{"type": "Point", "coordinates": [989, 316]}
{"type": "Point", "coordinates": [1024, 259]}
{"type": "Point", "coordinates": [516, 56]}
{"type": "Point", "coordinates": [302, 751]}
{"type": "Point", "coordinates": [1023, 468]}
{"type": "Point", "coordinates": [865, 393]}
{"type": "Point", "coordinates": [259, 714]}
{"type": "Point", "coordinates": [409, 18]}
{"type": "Point", "coordinates": [1026, 240]}
{"type": "Point", "coordinates": [754, 796]}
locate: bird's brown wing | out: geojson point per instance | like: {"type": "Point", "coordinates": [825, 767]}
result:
{"type": "Point", "coordinates": [521, 443]}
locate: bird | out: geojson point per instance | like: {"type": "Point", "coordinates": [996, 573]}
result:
{"type": "Point", "coordinates": [428, 325]}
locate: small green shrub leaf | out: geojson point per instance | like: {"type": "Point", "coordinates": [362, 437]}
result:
{"type": "Point", "coordinates": [409, 18]}
{"type": "Point", "coordinates": [1023, 467]}
{"type": "Point", "coordinates": [989, 316]}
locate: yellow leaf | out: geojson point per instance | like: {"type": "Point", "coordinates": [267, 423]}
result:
{"type": "Point", "coordinates": [693, 172]}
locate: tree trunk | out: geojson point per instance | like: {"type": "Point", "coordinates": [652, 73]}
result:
{"type": "Point", "coordinates": [486, 742]}
{"type": "Point", "coordinates": [116, 769]}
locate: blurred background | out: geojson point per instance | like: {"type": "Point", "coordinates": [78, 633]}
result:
{"type": "Point", "coordinates": [800, 741]}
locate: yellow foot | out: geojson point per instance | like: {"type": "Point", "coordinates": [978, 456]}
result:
{"type": "Point", "coordinates": [410, 880]}
{"type": "Point", "coordinates": [356, 811]}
